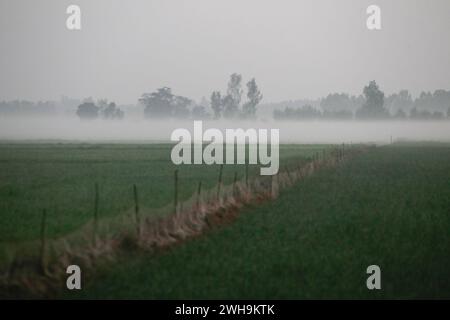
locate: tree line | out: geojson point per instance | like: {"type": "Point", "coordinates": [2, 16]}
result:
{"type": "Point", "coordinates": [237, 103]}
{"type": "Point", "coordinates": [372, 104]}
{"type": "Point", "coordinates": [164, 104]}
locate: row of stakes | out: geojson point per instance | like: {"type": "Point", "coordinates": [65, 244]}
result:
{"type": "Point", "coordinates": [43, 235]}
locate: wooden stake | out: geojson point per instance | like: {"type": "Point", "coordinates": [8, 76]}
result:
{"type": "Point", "coordinates": [219, 182]}
{"type": "Point", "coordinates": [199, 190]}
{"type": "Point", "coordinates": [289, 175]}
{"type": "Point", "coordinates": [246, 175]}
{"type": "Point", "coordinates": [43, 251]}
{"type": "Point", "coordinates": [96, 205]}
{"type": "Point", "coordinates": [272, 186]}
{"type": "Point", "coordinates": [175, 198]}
{"type": "Point", "coordinates": [136, 212]}
{"type": "Point", "coordinates": [234, 184]}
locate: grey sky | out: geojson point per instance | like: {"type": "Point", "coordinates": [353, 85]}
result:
{"type": "Point", "coordinates": [295, 49]}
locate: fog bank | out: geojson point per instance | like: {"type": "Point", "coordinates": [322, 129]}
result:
{"type": "Point", "coordinates": [133, 130]}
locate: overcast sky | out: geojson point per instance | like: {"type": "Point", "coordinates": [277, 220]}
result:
{"type": "Point", "coordinates": [294, 49]}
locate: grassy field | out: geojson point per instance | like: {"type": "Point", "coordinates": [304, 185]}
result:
{"type": "Point", "coordinates": [390, 207]}
{"type": "Point", "coordinates": [61, 178]}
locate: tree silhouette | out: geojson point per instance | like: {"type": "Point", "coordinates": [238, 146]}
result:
{"type": "Point", "coordinates": [111, 111]}
{"type": "Point", "coordinates": [254, 98]}
{"type": "Point", "coordinates": [216, 104]}
{"type": "Point", "coordinates": [232, 100]}
{"type": "Point", "coordinates": [163, 104]}
{"type": "Point", "coordinates": [373, 107]}
{"type": "Point", "coordinates": [88, 111]}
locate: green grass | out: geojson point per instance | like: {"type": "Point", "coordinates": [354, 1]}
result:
{"type": "Point", "coordinates": [61, 178]}
{"type": "Point", "coordinates": [390, 207]}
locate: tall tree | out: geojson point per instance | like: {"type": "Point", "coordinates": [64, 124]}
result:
{"type": "Point", "coordinates": [232, 100]}
{"type": "Point", "coordinates": [111, 111]}
{"type": "Point", "coordinates": [373, 107]}
{"type": "Point", "coordinates": [216, 104]}
{"type": "Point", "coordinates": [254, 97]}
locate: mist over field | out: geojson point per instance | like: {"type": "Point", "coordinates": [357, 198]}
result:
{"type": "Point", "coordinates": [141, 130]}
{"type": "Point", "coordinates": [98, 202]}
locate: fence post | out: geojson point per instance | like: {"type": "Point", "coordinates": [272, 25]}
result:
{"type": "Point", "coordinates": [96, 201]}
{"type": "Point", "coordinates": [43, 251]}
{"type": "Point", "coordinates": [199, 190]}
{"type": "Point", "coordinates": [219, 181]}
{"type": "Point", "coordinates": [175, 198]}
{"type": "Point", "coordinates": [136, 212]}
{"type": "Point", "coordinates": [234, 184]}
{"type": "Point", "coordinates": [246, 175]}
{"type": "Point", "coordinates": [273, 193]}
{"type": "Point", "coordinates": [289, 175]}
{"type": "Point", "coordinates": [300, 173]}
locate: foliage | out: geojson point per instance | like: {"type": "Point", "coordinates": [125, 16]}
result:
{"type": "Point", "coordinates": [254, 98]}
{"type": "Point", "coordinates": [163, 104]}
{"type": "Point", "coordinates": [88, 111]}
{"type": "Point", "coordinates": [216, 104]}
{"type": "Point", "coordinates": [232, 100]}
{"type": "Point", "coordinates": [373, 107]}
{"type": "Point", "coordinates": [306, 112]}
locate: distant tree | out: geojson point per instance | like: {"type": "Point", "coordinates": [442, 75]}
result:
{"type": "Point", "coordinates": [413, 113]}
{"type": "Point", "coordinates": [416, 114]}
{"type": "Point", "coordinates": [340, 105]}
{"type": "Point", "coordinates": [230, 109]}
{"type": "Point", "coordinates": [88, 111]}
{"type": "Point", "coordinates": [439, 100]}
{"type": "Point", "coordinates": [204, 103]}
{"type": "Point", "coordinates": [111, 111]}
{"type": "Point", "coordinates": [397, 101]}
{"type": "Point", "coordinates": [339, 115]}
{"type": "Point", "coordinates": [23, 107]}
{"type": "Point", "coordinates": [157, 104]}
{"type": "Point", "coordinates": [102, 103]}
{"type": "Point", "coordinates": [89, 100]}
{"type": "Point", "coordinates": [163, 104]}
{"type": "Point", "coordinates": [180, 106]}
{"type": "Point", "coordinates": [357, 102]}
{"type": "Point", "coordinates": [373, 107]}
{"type": "Point", "coordinates": [217, 104]}
{"type": "Point", "coordinates": [307, 112]}
{"type": "Point", "coordinates": [199, 112]}
{"type": "Point", "coordinates": [437, 115]}
{"type": "Point", "coordinates": [424, 115]}
{"type": "Point", "coordinates": [232, 100]}
{"type": "Point", "coordinates": [336, 102]}
{"type": "Point", "coordinates": [254, 98]}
